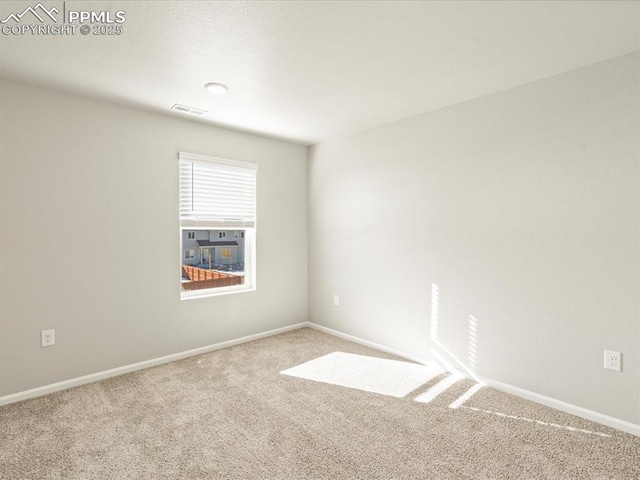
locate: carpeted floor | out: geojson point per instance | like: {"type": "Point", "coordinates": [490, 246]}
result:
{"type": "Point", "coordinates": [230, 414]}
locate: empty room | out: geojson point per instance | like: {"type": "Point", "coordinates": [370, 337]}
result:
{"type": "Point", "coordinates": [294, 240]}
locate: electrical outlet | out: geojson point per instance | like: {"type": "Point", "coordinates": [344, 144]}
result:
{"type": "Point", "coordinates": [336, 300]}
{"type": "Point", "coordinates": [612, 360]}
{"type": "Point", "coordinates": [47, 338]}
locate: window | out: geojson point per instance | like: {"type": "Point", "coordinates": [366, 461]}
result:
{"type": "Point", "coordinates": [189, 254]}
{"type": "Point", "coordinates": [217, 200]}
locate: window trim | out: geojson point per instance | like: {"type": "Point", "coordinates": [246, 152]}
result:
{"type": "Point", "coordinates": [249, 234]}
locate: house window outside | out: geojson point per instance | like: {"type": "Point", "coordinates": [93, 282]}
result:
{"type": "Point", "coordinates": [217, 201]}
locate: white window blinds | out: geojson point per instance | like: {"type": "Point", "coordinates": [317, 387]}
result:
{"type": "Point", "coordinates": [215, 192]}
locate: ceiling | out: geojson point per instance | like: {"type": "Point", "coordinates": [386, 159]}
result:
{"type": "Point", "coordinates": [309, 71]}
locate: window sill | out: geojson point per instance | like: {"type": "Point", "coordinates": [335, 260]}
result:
{"type": "Point", "coordinates": [213, 292]}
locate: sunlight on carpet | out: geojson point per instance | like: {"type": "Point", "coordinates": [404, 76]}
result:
{"type": "Point", "coordinates": [466, 396]}
{"type": "Point", "coordinates": [437, 389]}
{"type": "Point", "coordinates": [371, 374]}
{"type": "Point", "coordinates": [537, 422]}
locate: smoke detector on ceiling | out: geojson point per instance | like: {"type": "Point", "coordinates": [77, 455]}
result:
{"type": "Point", "coordinates": [184, 109]}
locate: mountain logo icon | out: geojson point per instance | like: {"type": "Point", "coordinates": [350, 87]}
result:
{"type": "Point", "coordinates": [39, 11]}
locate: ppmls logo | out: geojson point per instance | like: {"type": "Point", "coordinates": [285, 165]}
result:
{"type": "Point", "coordinates": [34, 10]}
{"type": "Point", "coordinates": [36, 20]}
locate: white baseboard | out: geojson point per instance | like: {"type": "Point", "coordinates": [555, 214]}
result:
{"type": "Point", "coordinates": [535, 397]}
{"type": "Point", "coordinates": [94, 377]}
{"type": "Point", "coordinates": [367, 343]}
{"type": "Point", "coordinates": [612, 422]}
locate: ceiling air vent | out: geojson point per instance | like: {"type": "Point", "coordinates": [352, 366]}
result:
{"type": "Point", "coordinates": [184, 109]}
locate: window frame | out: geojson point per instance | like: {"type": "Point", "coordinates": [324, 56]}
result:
{"type": "Point", "coordinates": [248, 234]}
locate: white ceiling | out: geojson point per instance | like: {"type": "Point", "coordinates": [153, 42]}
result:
{"type": "Point", "coordinates": [308, 71]}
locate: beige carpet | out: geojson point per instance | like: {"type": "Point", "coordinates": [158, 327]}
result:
{"type": "Point", "coordinates": [230, 414]}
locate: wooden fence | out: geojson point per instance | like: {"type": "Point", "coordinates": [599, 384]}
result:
{"type": "Point", "coordinates": [202, 278]}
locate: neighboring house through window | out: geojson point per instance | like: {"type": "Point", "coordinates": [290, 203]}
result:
{"type": "Point", "coordinates": [217, 201]}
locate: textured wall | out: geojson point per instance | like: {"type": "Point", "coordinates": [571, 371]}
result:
{"type": "Point", "coordinates": [519, 217]}
{"type": "Point", "coordinates": [88, 183]}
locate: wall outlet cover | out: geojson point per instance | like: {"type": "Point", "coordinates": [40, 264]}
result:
{"type": "Point", "coordinates": [613, 360]}
{"type": "Point", "coordinates": [47, 338]}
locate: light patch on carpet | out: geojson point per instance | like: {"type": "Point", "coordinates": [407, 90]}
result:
{"type": "Point", "coordinates": [437, 389]}
{"type": "Point", "coordinates": [466, 396]}
{"type": "Point", "coordinates": [537, 422]}
{"type": "Point", "coordinates": [371, 374]}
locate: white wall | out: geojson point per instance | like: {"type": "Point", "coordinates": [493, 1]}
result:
{"type": "Point", "coordinates": [84, 186]}
{"type": "Point", "coordinates": [523, 207]}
